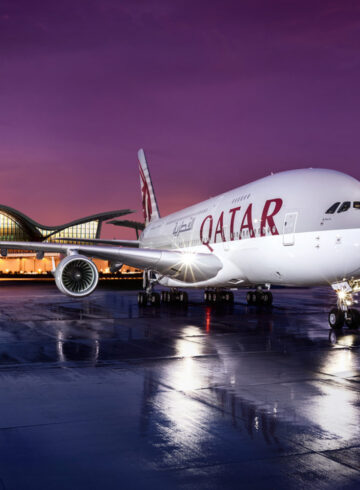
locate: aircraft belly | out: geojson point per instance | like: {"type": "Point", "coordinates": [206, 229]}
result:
{"type": "Point", "coordinates": [315, 258]}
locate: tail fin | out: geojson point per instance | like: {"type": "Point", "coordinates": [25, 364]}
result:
{"type": "Point", "coordinates": [150, 207]}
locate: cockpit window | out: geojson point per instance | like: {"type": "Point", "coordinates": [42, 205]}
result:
{"type": "Point", "coordinates": [344, 207]}
{"type": "Point", "coordinates": [332, 208]}
{"type": "Point", "coordinates": [357, 204]}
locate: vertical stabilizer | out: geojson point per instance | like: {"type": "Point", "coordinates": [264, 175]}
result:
{"type": "Point", "coordinates": [149, 204]}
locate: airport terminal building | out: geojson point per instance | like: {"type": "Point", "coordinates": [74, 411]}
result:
{"type": "Point", "coordinates": [16, 226]}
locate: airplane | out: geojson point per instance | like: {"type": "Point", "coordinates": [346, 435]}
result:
{"type": "Point", "coordinates": [293, 228]}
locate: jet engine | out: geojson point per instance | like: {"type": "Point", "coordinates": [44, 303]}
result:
{"type": "Point", "coordinates": [76, 276]}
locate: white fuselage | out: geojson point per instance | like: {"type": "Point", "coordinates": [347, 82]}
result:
{"type": "Point", "coordinates": [274, 230]}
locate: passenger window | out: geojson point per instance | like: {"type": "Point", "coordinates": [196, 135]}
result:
{"type": "Point", "coordinates": [357, 204]}
{"type": "Point", "coordinates": [344, 207]}
{"type": "Point", "coordinates": [332, 208]}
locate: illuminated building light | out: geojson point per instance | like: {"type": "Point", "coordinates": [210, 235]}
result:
{"type": "Point", "coordinates": [16, 226]}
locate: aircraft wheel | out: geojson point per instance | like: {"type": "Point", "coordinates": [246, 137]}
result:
{"type": "Point", "coordinates": [336, 318]}
{"type": "Point", "coordinates": [155, 299]}
{"type": "Point", "coordinates": [229, 297]}
{"type": "Point", "coordinates": [352, 318]}
{"type": "Point", "coordinates": [267, 298]}
{"type": "Point", "coordinates": [183, 298]}
{"type": "Point", "coordinates": [255, 299]}
{"type": "Point", "coordinates": [142, 298]}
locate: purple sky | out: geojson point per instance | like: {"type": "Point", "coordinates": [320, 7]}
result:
{"type": "Point", "coordinates": [218, 93]}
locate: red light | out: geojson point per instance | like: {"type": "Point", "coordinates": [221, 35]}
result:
{"type": "Point", "coordinates": [207, 318]}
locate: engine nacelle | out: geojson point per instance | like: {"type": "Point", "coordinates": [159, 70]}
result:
{"type": "Point", "coordinates": [76, 276]}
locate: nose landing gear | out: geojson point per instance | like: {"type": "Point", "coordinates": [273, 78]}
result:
{"type": "Point", "coordinates": [343, 312]}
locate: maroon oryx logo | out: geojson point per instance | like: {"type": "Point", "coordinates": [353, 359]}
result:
{"type": "Point", "coordinates": [146, 198]}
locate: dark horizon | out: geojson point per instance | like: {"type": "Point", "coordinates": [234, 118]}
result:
{"type": "Point", "coordinates": [218, 94]}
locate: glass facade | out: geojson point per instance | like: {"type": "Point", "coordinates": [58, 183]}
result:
{"type": "Point", "coordinates": [83, 230]}
{"type": "Point", "coordinates": [11, 230]}
{"type": "Point", "coordinates": [15, 226]}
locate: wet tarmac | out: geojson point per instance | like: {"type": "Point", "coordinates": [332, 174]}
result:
{"type": "Point", "coordinates": [97, 394]}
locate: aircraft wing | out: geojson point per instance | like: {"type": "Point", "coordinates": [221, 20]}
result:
{"type": "Point", "coordinates": [183, 266]}
{"type": "Point", "coordinates": [123, 243]}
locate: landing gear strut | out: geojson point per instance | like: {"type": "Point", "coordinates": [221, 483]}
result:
{"type": "Point", "coordinates": [148, 295]}
{"type": "Point", "coordinates": [343, 312]}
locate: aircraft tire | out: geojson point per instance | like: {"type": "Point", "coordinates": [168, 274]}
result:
{"type": "Point", "coordinates": [183, 298]}
{"type": "Point", "coordinates": [229, 297]}
{"type": "Point", "coordinates": [255, 298]}
{"type": "Point", "coordinates": [352, 318]}
{"type": "Point", "coordinates": [267, 298]}
{"type": "Point", "coordinates": [336, 318]}
{"type": "Point", "coordinates": [155, 299]}
{"type": "Point", "coordinates": [142, 298]}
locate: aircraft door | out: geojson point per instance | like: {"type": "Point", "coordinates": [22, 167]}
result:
{"type": "Point", "coordinates": [289, 228]}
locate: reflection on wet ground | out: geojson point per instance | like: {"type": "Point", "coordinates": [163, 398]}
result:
{"type": "Point", "coordinates": [99, 394]}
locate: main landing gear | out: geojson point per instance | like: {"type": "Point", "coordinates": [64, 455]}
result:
{"type": "Point", "coordinates": [168, 297]}
{"type": "Point", "coordinates": [344, 311]}
{"type": "Point", "coordinates": [150, 297]}
{"type": "Point", "coordinates": [174, 296]}
{"type": "Point", "coordinates": [259, 298]}
{"type": "Point", "coordinates": [218, 296]}
{"type": "Point", "coordinates": [145, 298]}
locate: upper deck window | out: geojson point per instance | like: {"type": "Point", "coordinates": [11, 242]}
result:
{"type": "Point", "coordinates": [357, 204]}
{"type": "Point", "coordinates": [344, 207]}
{"type": "Point", "coordinates": [332, 208]}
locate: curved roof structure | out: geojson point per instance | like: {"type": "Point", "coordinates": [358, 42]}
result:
{"type": "Point", "coordinates": [33, 228]}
